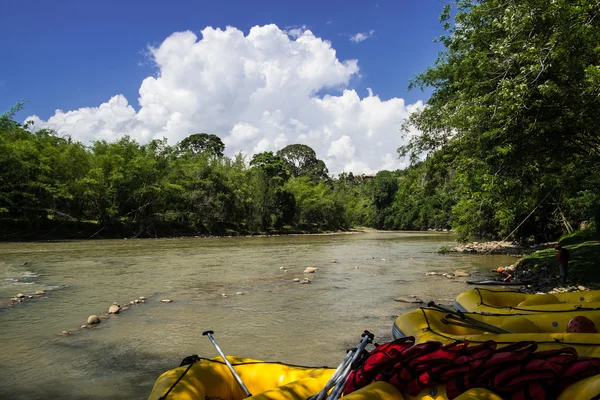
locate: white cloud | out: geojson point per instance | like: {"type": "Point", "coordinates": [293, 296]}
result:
{"type": "Point", "coordinates": [360, 36]}
{"type": "Point", "coordinates": [258, 93]}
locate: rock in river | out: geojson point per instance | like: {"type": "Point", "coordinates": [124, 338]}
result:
{"type": "Point", "coordinates": [114, 309]}
{"type": "Point", "coordinates": [407, 299]}
{"type": "Point", "coordinates": [93, 319]}
{"type": "Point", "coordinates": [461, 272]}
{"type": "Point", "coordinates": [310, 270]}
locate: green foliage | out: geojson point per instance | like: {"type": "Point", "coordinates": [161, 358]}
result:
{"type": "Point", "coordinates": [584, 261]}
{"type": "Point", "coordinates": [202, 142]}
{"type": "Point", "coordinates": [514, 113]}
{"type": "Point", "coordinates": [301, 160]}
{"type": "Point", "coordinates": [444, 249]}
{"type": "Point", "coordinates": [580, 236]}
{"type": "Point", "coordinates": [156, 189]}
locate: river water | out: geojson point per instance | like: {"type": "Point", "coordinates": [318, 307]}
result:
{"type": "Point", "coordinates": [275, 319]}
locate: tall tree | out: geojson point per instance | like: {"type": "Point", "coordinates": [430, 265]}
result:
{"type": "Point", "coordinates": [273, 206]}
{"type": "Point", "coordinates": [301, 160]}
{"type": "Point", "coordinates": [514, 107]}
{"type": "Point", "coordinates": [202, 142]}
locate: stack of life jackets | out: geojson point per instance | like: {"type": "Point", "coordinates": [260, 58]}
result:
{"type": "Point", "coordinates": [514, 372]}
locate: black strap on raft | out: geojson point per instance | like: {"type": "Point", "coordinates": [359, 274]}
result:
{"type": "Point", "coordinates": [189, 361]}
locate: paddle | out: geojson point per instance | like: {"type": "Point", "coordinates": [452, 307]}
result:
{"type": "Point", "coordinates": [462, 316]}
{"type": "Point", "coordinates": [479, 328]}
{"type": "Point", "coordinates": [235, 375]}
{"type": "Point", "coordinates": [367, 337]}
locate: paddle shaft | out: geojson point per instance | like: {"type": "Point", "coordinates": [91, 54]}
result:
{"type": "Point", "coordinates": [479, 328]}
{"type": "Point", "coordinates": [336, 375]}
{"type": "Point", "coordinates": [462, 316]}
{"type": "Point", "coordinates": [235, 375]}
{"type": "Point", "coordinates": [341, 383]}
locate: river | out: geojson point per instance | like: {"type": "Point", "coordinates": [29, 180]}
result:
{"type": "Point", "coordinates": [275, 319]}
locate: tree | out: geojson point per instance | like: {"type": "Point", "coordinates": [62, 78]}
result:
{"type": "Point", "coordinates": [301, 160]}
{"type": "Point", "coordinates": [202, 142]}
{"type": "Point", "coordinates": [384, 191]}
{"type": "Point", "coordinates": [271, 206]}
{"type": "Point", "coordinates": [514, 108]}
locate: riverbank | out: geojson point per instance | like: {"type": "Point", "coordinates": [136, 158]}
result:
{"type": "Point", "coordinates": [538, 263]}
{"type": "Point", "coordinates": [542, 268]}
{"type": "Point", "coordinates": [17, 231]}
{"type": "Point", "coordinates": [496, 247]}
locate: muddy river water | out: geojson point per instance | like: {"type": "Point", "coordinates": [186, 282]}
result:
{"type": "Point", "coordinates": [274, 319]}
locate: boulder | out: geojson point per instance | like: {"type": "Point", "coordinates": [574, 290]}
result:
{"type": "Point", "coordinates": [40, 292]}
{"type": "Point", "coordinates": [282, 268]}
{"type": "Point", "coordinates": [132, 302]}
{"type": "Point", "coordinates": [93, 320]}
{"type": "Point", "coordinates": [166, 301]}
{"type": "Point", "coordinates": [461, 272]}
{"type": "Point", "coordinates": [20, 296]}
{"type": "Point", "coordinates": [114, 309]}
{"type": "Point", "coordinates": [296, 280]}
{"type": "Point", "coordinates": [582, 288]}
{"type": "Point", "coordinates": [305, 280]}
{"type": "Point", "coordinates": [333, 261]}
{"type": "Point", "coordinates": [406, 299]}
{"type": "Point", "coordinates": [431, 273]}
{"type": "Point", "coordinates": [83, 326]}
{"type": "Point", "coordinates": [142, 298]}
{"type": "Point", "coordinates": [310, 270]}
{"type": "Point", "coordinates": [239, 293]}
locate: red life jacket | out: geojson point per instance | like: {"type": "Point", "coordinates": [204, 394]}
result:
{"type": "Point", "coordinates": [515, 371]}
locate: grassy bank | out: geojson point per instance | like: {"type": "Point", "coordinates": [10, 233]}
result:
{"type": "Point", "coordinates": [584, 266]}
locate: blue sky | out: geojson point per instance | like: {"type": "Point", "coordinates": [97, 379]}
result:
{"type": "Point", "coordinates": [70, 54]}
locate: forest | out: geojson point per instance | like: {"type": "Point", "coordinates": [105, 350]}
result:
{"type": "Point", "coordinates": [507, 147]}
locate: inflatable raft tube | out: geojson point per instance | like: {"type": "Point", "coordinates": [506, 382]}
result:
{"type": "Point", "coordinates": [426, 324]}
{"type": "Point", "coordinates": [585, 389]}
{"type": "Point", "coordinates": [506, 302]}
{"type": "Point", "coordinates": [210, 378]}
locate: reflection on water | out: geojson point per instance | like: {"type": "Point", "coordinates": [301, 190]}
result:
{"type": "Point", "coordinates": [275, 319]}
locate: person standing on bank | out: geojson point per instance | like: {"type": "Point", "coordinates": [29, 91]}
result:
{"type": "Point", "coordinates": [563, 260]}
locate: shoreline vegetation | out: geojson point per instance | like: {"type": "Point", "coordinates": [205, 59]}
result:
{"type": "Point", "coordinates": [538, 262]}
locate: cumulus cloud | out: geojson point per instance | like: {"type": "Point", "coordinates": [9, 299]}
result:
{"type": "Point", "coordinates": [360, 36]}
{"type": "Point", "coordinates": [258, 92]}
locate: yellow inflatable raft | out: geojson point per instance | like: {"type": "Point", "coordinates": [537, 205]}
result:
{"type": "Point", "coordinates": [585, 389]}
{"type": "Point", "coordinates": [505, 302]}
{"type": "Point", "coordinates": [209, 379]}
{"type": "Point", "coordinates": [547, 330]}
